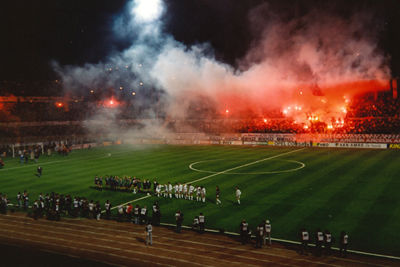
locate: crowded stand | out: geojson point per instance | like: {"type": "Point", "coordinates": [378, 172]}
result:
{"type": "Point", "coordinates": [369, 113]}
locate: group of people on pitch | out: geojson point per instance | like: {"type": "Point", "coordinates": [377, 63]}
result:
{"type": "Point", "coordinates": [168, 190]}
{"type": "Point", "coordinates": [127, 184]}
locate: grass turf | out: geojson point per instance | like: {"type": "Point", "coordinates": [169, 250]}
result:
{"type": "Point", "coordinates": [338, 189]}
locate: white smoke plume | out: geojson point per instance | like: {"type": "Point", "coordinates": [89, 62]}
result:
{"type": "Point", "coordinates": [309, 65]}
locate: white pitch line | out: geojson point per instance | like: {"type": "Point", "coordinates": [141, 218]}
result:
{"type": "Point", "coordinates": [245, 165]}
{"type": "Point", "coordinates": [31, 165]}
{"type": "Point", "coordinates": [302, 165]}
{"type": "Point", "coordinates": [218, 173]}
{"type": "Point", "coordinates": [128, 202]}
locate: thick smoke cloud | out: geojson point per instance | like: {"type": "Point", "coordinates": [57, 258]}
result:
{"type": "Point", "coordinates": [313, 63]}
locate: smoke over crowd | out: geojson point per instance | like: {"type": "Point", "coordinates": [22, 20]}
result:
{"type": "Point", "coordinates": [307, 66]}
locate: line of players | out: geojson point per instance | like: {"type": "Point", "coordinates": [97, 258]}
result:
{"type": "Point", "coordinates": [178, 190]}
{"type": "Point", "coordinates": [181, 191]}
{"type": "Point", "coordinates": [116, 183]}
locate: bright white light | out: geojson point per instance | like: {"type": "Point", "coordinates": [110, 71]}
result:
{"type": "Point", "coordinates": [147, 10]}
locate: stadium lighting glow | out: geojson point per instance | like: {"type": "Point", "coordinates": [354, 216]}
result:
{"type": "Point", "coordinates": [147, 10]}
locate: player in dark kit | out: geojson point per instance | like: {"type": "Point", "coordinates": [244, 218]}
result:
{"type": "Point", "coordinates": [217, 195]}
{"type": "Point", "coordinates": [39, 171]}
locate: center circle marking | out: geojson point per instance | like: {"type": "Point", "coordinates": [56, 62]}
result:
{"type": "Point", "coordinates": [301, 166]}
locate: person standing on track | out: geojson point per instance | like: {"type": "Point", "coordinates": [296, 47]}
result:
{"type": "Point", "coordinates": [327, 242]}
{"type": "Point", "coordinates": [259, 235]}
{"type": "Point", "coordinates": [98, 210]}
{"type": "Point", "coordinates": [143, 215]}
{"type": "Point", "coordinates": [136, 213]}
{"type": "Point", "coordinates": [304, 236]}
{"type": "Point", "coordinates": [19, 199]}
{"type": "Point", "coordinates": [149, 233]}
{"type": "Point", "coordinates": [202, 220]}
{"type": "Point", "coordinates": [344, 241]}
{"type": "Point", "coordinates": [319, 240]}
{"type": "Point", "coordinates": [179, 220]}
{"type": "Point", "coordinates": [244, 229]}
{"type": "Point", "coordinates": [267, 232]}
{"type": "Point", "coordinates": [107, 206]}
{"type": "Point", "coordinates": [238, 193]}
{"type": "Point", "coordinates": [156, 214]}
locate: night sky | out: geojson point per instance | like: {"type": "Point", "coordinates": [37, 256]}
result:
{"type": "Point", "coordinates": [78, 31]}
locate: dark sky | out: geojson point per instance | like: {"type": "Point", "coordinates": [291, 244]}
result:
{"type": "Point", "coordinates": [77, 31]}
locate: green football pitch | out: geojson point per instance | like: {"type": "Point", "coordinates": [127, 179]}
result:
{"type": "Point", "coordinates": [336, 189]}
